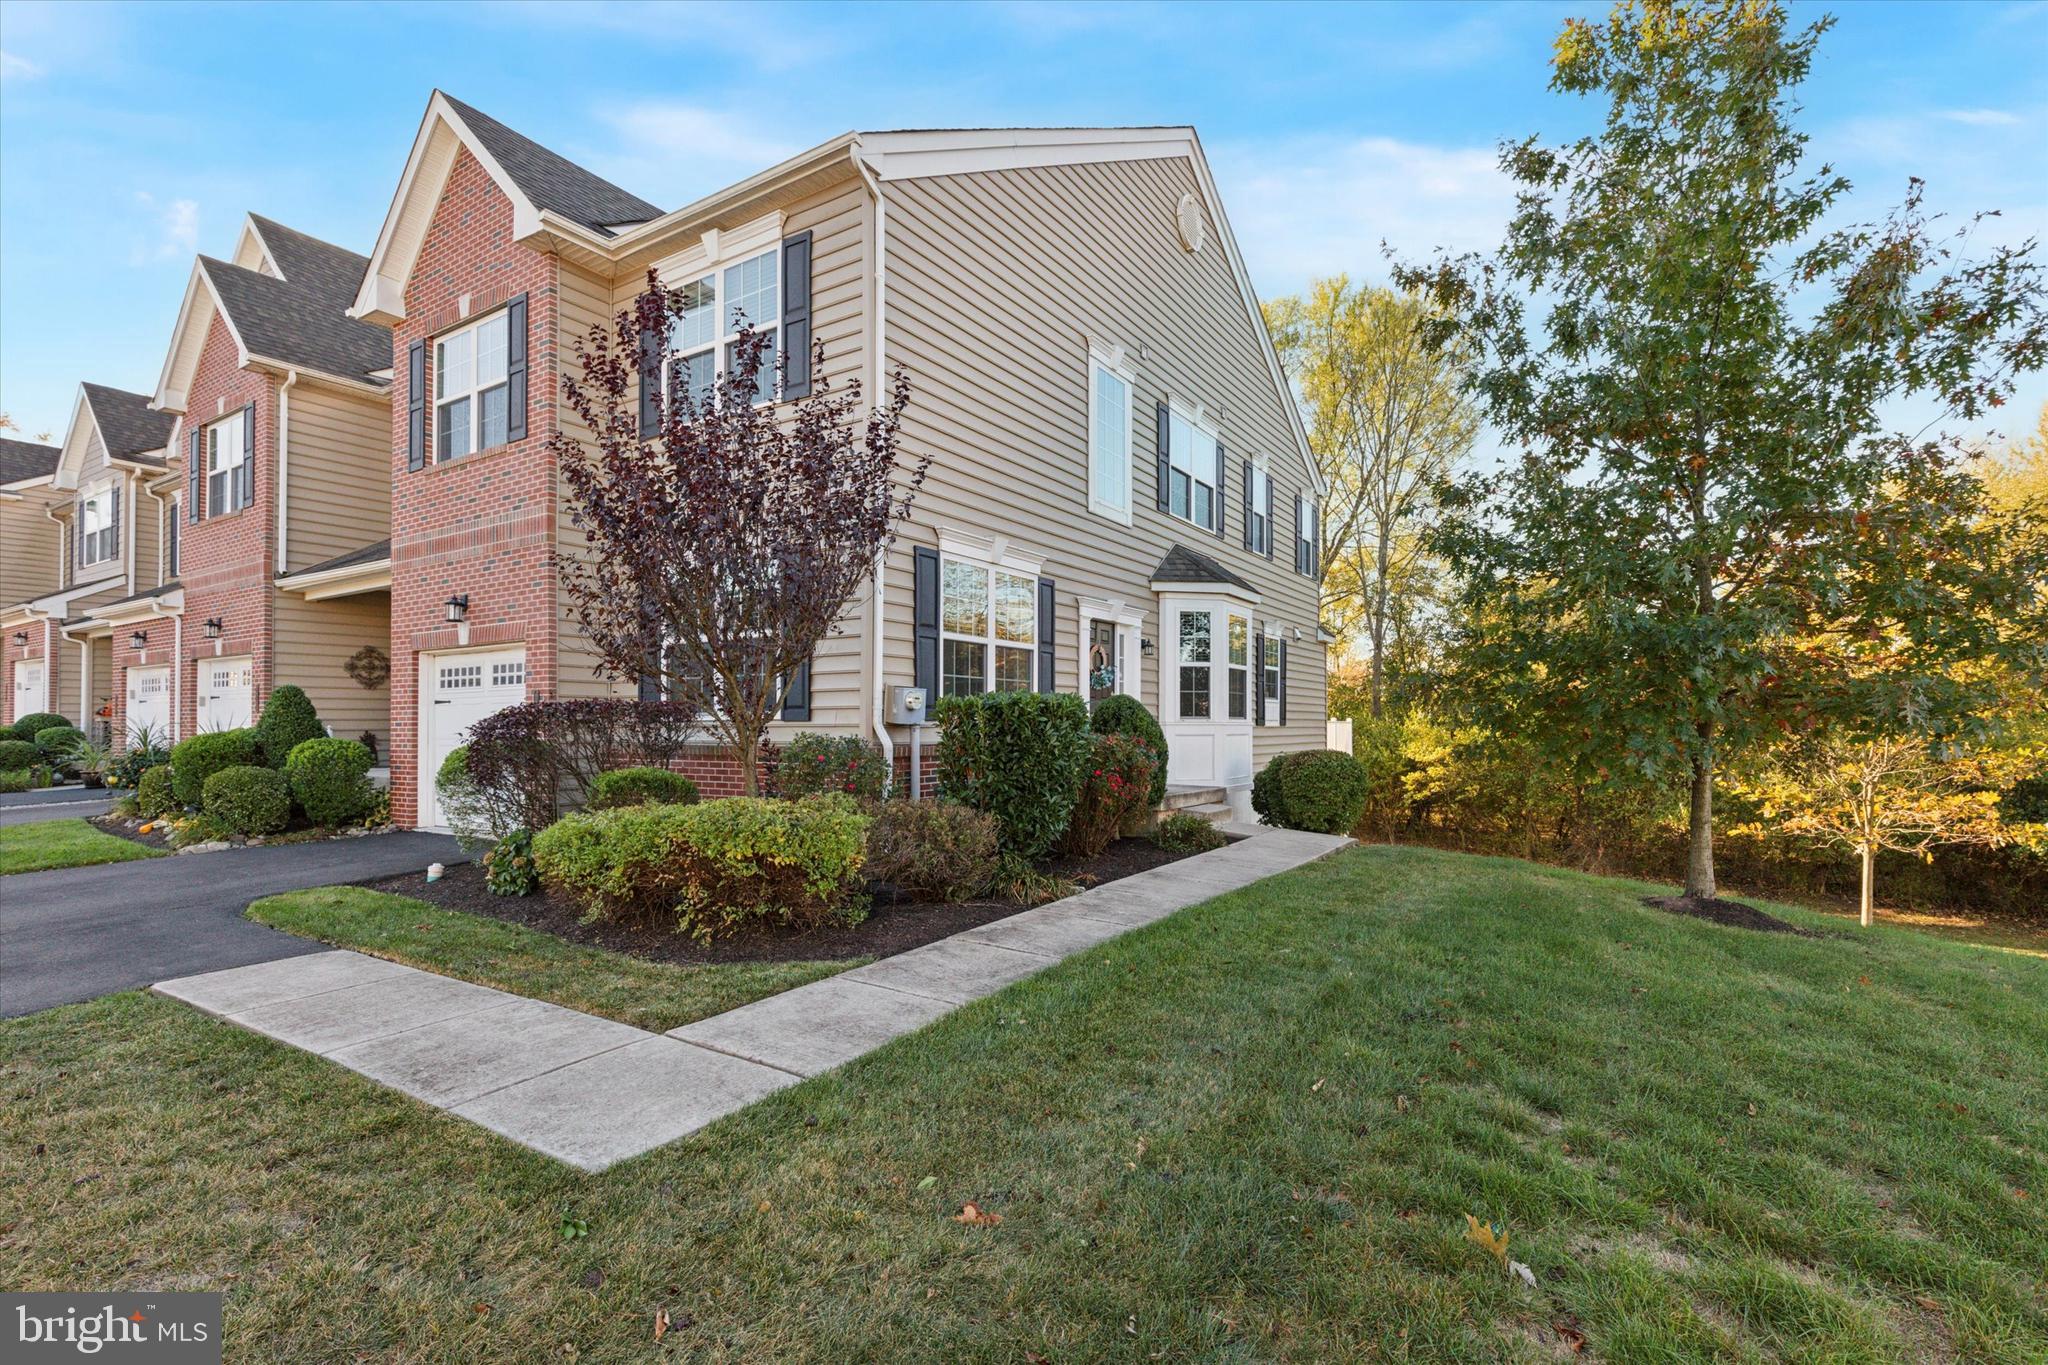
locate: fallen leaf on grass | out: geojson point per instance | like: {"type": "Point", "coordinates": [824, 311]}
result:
{"type": "Point", "coordinates": [975, 1216]}
{"type": "Point", "coordinates": [1491, 1236]}
{"type": "Point", "coordinates": [660, 1323]}
{"type": "Point", "coordinates": [482, 1310]}
{"type": "Point", "coordinates": [1929, 1304]}
{"type": "Point", "coordinates": [1400, 1104]}
{"type": "Point", "coordinates": [1317, 1086]}
{"type": "Point", "coordinates": [1752, 1111]}
{"type": "Point", "coordinates": [927, 1182]}
{"type": "Point", "coordinates": [1574, 1340]}
{"type": "Point", "coordinates": [1522, 1273]}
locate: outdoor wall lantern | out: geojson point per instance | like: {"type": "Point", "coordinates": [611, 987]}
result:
{"type": "Point", "coordinates": [213, 628]}
{"type": "Point", "coordinates": [138, 640]}
{"type": "Point", "coordinates": [1145, 647]}
{"type": "Point", "coordinates": [21, 638]}
{"type": "Point", "coordinates": [458, 609]}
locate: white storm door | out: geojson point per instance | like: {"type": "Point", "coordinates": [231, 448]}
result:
{"type": "Point", "coordinates": [28, 687]}
{"type": "Point", "coordinates": [1205, 706]}
{"type": "Point", "coordinates": [457, 691]}
{"type": "Point", "coordinates": [149, 702]}
{"type": "Point", "coordinates": [224, 694]}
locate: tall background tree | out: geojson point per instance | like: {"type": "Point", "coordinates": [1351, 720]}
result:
{"type": "Point", "coordinates": [724, 540]}
{"type": "Point", "coordinates": [1387, 421]}
{"type": "Point", "coordinates": [1710, 534]}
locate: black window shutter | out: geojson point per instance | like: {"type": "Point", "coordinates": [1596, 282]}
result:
{"type": "Point", "coordinates": [173, 547]}
{"type": "Point", "coordinates": [1283, 682]}
{"type": "Point", "coordinates": [1268, 511]}
{"type": "Point", "coordinates": [1047, 615]}
{"type": "Point", "coordinates": [120, 491]}
{"type": "Point", "coordinates": [925, 621]}
{"type": "Point", "coordinates": [195, 479]}
{"type": "Point", "coordinates": [77, 541]}
{"type": "Point", "coordinates": [650, 383]}
{"type": "Point", "coordinates": [1300, 555]}
{"type": "Point", "coordinates": [246, 475]}
{"type": "Point", "coordinates": [1258, 677]}
{"type": "Point", "coordinates": [796, 698]}
{"type": "Point", "coordinates": [1165, 443]}
{"type": "Point", "coordinates": [1249, 542]}
{"type": "Point", "coordinates": [416, 406]}
{"type": "Point", "coordinates": [796, 316]}
{"type": "Point", "coordinates": [1222, 478]}
{"type": "Point", "coordinates": [515, 370]}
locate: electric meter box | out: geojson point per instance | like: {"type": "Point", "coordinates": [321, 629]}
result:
{"type": "Point", "coordinates": [906, 706]}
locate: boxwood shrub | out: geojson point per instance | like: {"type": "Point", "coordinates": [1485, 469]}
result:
{"type": "Point", "coordinates": [1121, 715]}
{"type": "Point", "coordinates": [247, 799]}
{"type": "Point", "coordinates": [1322, 790]}
{"type": "Point", "coordinates": [816, 765]}
{"type": "Point", "coordinates": [1182, 832]}
{"type": "Point", "coordinates": [933, 850]}
{"type": "Point", "coordinates": [330, 780]}
{"type": "Point", "coordinates": [35, 721]}
{"type": "Point", "coordinates": [16, 754]}
{"type": "Point", "coordinates": [641, 787]}
{"type": "Point", "coordinates": [200, 757]}
{"type": "Point", "coordinates": [1020, 756]}
{"type": "Point", "coordinates": [288, 720]}
{"type": "Point", "coordinates": [711, 866]}
{"type": "Point", "coordinates": [17, 780]}
{"type": "Point", "coordinates": [54, 742]}
{"type": "Point", "coordinates": [153, 794]}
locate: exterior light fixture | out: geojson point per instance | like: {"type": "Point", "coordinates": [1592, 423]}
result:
{"type": "Point", "coordinates": [213, 628]}
{"type": "Point", "coordinates": [458, 609]}
{"type": "Point", "coordinates": [138, 640]}
{"type": "Point", "coordinates": [21, 639]}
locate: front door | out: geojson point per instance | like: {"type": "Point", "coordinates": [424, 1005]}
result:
{"type": "Point", "coordinates": [149, 704]}
{"type": "Point", "coordinates": [457, 691]}
{"type": "Point", "coordinates": [1205, 693]}
{"type": "Point", "coordinates": [28, 687]}
{"type": "Point", "coordinates": [224, 694]}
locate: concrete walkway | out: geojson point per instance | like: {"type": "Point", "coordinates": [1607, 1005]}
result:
{"type": "Point", "coordinates": [591, 1092]}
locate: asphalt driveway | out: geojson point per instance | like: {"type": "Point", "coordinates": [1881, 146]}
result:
{"type": "Point", "coordinates": [67, 808]}
{"type": "Point", "coordinates": [78, 933]}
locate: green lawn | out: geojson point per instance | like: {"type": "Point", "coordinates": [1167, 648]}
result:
{"type": "Point", "coordinates": [1251, 1132]}
{"type": "Point", "coordinates": [45, 844]}
{"type": "Point", "coordinates": [649, 995]}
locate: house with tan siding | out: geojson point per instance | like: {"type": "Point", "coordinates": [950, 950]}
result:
{"type": "Point", "coordinates": [1121, 496]}
{"type": "Point", "coordinates": [31, 563]}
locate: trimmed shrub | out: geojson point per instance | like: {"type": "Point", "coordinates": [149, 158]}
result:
{"type": "Point", "coordinates": [330, 780]}
{"type": "Point", "coordinates": [246, 799]}
{"type": "Point", "coordinates": [16, 754]}
{"type": "Point", "coordinates": [36, 721]}
{"type": "Point", "coordinates": [713, 865]}
{"type": "Point", "coordinates": [528, 761]}
{"type": "Point", "coordinates": [641, 787]}
{"type": "Point", "coordinates": [933, 850]}
{"type": "Point", "coordinates": [55, 742]}
{"type": "Point", "coordinates": [200, 757]}
{"type": "Point", "coordinates": [1181, 832]}
{"type": "Point", "coordinates": [509, 869]}
{"type": "Point", "coordinates": [1121, 715]}
{"type": "Point", "coordinates": [16, 780]}
{"type": "Point", "coordinates": [288, 720]}
{"type": "Point", "coordinates": [1322, 790]}
{"type": "Point", "coordinates": [817, 765]}
{"type": "Point", "coordinates": [1116, 788]}
{"type": "Point", "coordinates": [153, 794]}
{"type": "Point", "coordinates": [1020, 756]}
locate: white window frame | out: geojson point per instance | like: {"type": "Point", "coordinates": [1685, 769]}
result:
{"type": "Point", "coordinates": [1270, 681]}
{"type": "Point", "coordinates": [1198, 424]}
{"type": "Point", "coordinates": [991, 557]}
{"type": "Point", "coordinates": [229, 429]}
{"type": "Point", "coordinates": [1261, 510]}
{"type": "Point", "coordinates": [1110, 361]}
{"type": "Point", "coordinates": [1236, 669]}
{"type": "Point", "coordinates": [722, 343]}
{"type": "Point", "coordinates": [476, 391]}
{"type": "Point", "coordinates": [100, 544]}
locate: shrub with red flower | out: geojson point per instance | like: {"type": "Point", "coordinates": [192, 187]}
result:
{"type": "Point", "coordinates": [1116, 790]}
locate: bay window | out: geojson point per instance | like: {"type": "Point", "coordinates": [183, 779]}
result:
{"type": "Point", "coordinates": [1109, 439]}
{"type": "Point", "coordinates": [988, 628]}
{"type": "Point", "coordinates": [704, 341]}
{"type": "Point", "coordinates": [472, 393]}
{"type": "Point", "coordinates": [1240, 650]}
{"type": "Point", "coordinates": [1195, 470]}
{"type": "Point", "coordinates": [1195, 664]}
{"type": "Point", "coordinates": [228, 486]}
{"type": "Point", "coordinates": [99, 529]}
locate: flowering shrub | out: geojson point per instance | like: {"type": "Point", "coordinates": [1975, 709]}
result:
{"type": "Point", "coordinates": [1020, 756]}
{"type": "Point", "coordinates": [509, 867]}
{"type": "Point", "coordinates": [1121, 715]}
{"type": "Point", "coordinates": [815, 765]}
{"type": "Point", "coordinates": [1116, 789]}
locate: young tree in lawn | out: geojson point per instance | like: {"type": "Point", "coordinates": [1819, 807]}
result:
{"type": "Point", "coordinates": [723, 543]}
{"type": "Point", "coordinates": [1387, 421]}
{"type": "Point", "coordinates": [1698, 372]}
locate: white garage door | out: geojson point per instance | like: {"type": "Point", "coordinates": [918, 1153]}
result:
{"type": "Point", "coordinates": [457, 691]}
{"type": "Point", "coordinates": [149, 703]}
{"type": "Point", "coordinates": [28, 687]}
{"type": "Point", "coordinates": [224, 694]}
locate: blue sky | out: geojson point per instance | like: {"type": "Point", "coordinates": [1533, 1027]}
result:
{"type": "Point", "coordinates": [132, 136]}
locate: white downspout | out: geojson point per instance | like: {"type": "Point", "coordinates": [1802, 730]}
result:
{"type": "Point", "coordinates": [877, 719]}
{"type": "Point", "coordinates": [284, 430]}
{"type": "Point", "coordinates": [128, 483]}
{"type": "Point", "coordinates": [163, 539]}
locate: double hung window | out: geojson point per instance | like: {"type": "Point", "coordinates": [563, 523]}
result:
{"type": "Point", "coordinates": [704, 341]}
{"type": "Point", "coordinates": [471, 393]}
{"type": "Point", "coordinates": [988, 628]}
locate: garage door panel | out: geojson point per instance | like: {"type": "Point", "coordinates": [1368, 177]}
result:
{"type": "Point", "coordinates": [457, 691]}
{"type": "Point", "coordinates": [149, 702]}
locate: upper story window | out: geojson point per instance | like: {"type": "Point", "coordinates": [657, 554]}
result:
{"type": "Point", "coordinates": [472, 395]}
{"type": "Point", "coordinates": [1109, 437]}
{"type": "Point", "coordinates": [705, 339]}
{"type": "Point", "coordinates": [988, 628]}
{"type": "Point", "coordinates": [1259, 510]}
{"type": "Point", "coordinates": [99, 526]}
{"type": "Point", "coordinates": [1307, 549]}
{"type": "Point", "coordinates": [1195, 470]}
{"type": "Point", "coordinates": [228, 485]}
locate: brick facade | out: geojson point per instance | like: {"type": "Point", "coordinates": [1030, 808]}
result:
{"type": "Point", "coordinates": [481, 526]}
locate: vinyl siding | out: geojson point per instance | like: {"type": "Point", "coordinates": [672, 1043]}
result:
{"type": "Point", "coordinates": [29, 545]}
{"type": "Point", "coordinates": [315, 639]}
{"type": "Point", "coordinates": [338, 464]}
{"type": "Point", "coordinates": [997, 281]}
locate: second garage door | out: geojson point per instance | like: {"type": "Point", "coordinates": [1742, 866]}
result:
{"type": "Point", "coordinates": [457, 691]}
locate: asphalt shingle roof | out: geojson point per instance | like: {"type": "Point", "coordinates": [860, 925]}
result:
{"type": "Point", "coordinates": [26, 460]}
{"type": "Point", "coordinates": [1183, 565]}
{"type": "Point", "coordinates": [554, 182]}
{"type": "Point", "coordinates": [302, 319]}
{"type": "Point", "coordinates": [132, 429]}
{"type": "Point", "coordinates": [368, 554]}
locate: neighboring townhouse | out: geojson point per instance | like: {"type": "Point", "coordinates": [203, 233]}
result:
{"type": "Point", "coordinates": [279, 571]}
{"type": "Point", "coordinates": [110, 525]}
{"type": "Point", "coordinates": [1121, 497]}
{"type": "Point", "coordinates": [31, 564]}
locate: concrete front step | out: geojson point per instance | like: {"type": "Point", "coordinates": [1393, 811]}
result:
{"type": "Point", "coordinates": [1180, 798]}
{"type": "Point", "coordinates": [1215, 812]}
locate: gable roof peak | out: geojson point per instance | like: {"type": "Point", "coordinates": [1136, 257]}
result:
{"type": "Point", "coordinates": [550, 181]}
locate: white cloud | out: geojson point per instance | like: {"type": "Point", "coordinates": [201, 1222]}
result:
{"type": "Point", "coordinates": [671, 153]}
{"type": "Point", "coordinates": [1316, 206]}
{"type": "Point", "coordinates": [13, 68]}
{"type": "Point", "coordinates": [172, 229]}
{"type": "Point", "coordinates": [1982, 118]}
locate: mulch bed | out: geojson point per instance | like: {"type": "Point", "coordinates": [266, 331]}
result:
{"type": "Point", "coordinates": [1734, 914]}
{"type": "Point", "coordinates": [130, 828]}
{"type": "Point", "coordinates": [892, 926]}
